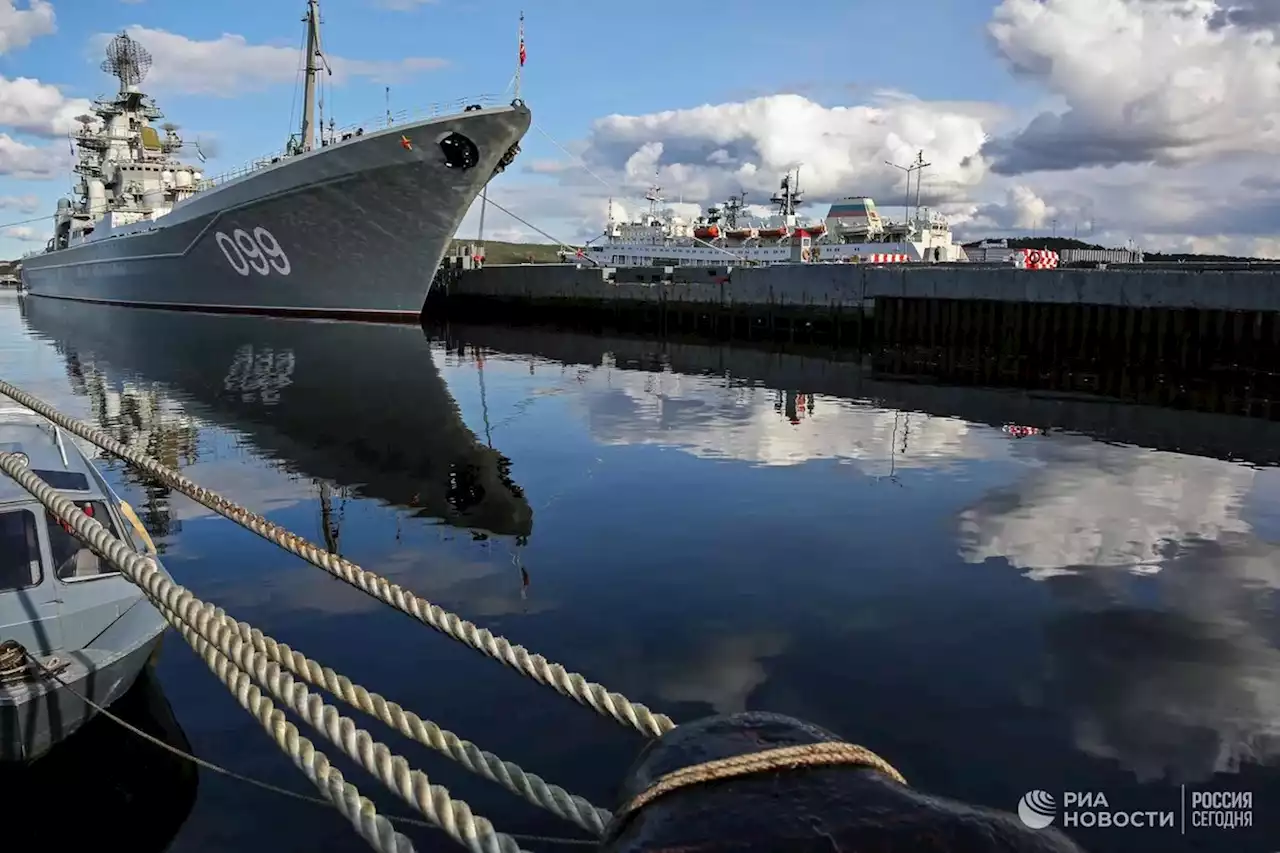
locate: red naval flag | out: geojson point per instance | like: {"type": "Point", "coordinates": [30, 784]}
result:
{"type": "Point", "coordinates": [522, 52]}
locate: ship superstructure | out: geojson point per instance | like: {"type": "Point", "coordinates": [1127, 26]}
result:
{"type": "Point", "coordinates": [852, 231]}
{"type": "Point", "coordinates": [349, 222]}
{"type": "Point", "coordinates": [128, 172]}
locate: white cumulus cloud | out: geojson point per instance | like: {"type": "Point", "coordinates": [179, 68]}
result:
{"type": "Point", "coordinates": [1169, 82]}
{"type": "Point", "coordinates": [230, 64]}
{"type": "Point", "coordinates": [24, 234]}
{"type": "Point", "coordinates": [1160, 130]}
{"type": "Point", "coordinates": [29, 106]}
{"type": "Point", "coordinates": [23, 161]}
{"type": "Point", "coordinates": [22, 204]}
{"type": "Point", "coordinates": [20, 26]}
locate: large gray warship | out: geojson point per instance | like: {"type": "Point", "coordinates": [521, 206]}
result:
{"type": "Point", "coordinates": [341, 223]}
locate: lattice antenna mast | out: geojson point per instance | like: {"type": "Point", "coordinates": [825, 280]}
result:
{"type": "Point", "coordinates": [128, 61]}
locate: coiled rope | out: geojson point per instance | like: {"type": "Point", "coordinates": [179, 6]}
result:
{"type": "Point", "coordinates": [14, 668]}
{"type": "Point", "coordinates": [536, 667]}
{"type": "Point", "coordinates": [433, 801]}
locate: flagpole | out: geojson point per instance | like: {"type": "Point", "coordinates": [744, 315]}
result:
{"type": "Point", "coordinates": [520, 66]}
{"type": "Point", "coordinates": [484, 202]}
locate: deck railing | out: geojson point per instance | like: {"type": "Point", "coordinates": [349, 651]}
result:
{"type": "Point", "coordinates": [346, 133]}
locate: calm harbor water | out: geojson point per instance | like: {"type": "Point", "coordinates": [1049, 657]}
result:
{"type": "Point", "coordinates": [703, 529]}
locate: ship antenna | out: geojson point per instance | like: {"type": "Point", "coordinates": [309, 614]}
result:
{"type": "Point", "coordinates": [128, 61]}
{"type": "Point", "coordinates": [312, 21]}
{"type": "Point", "coordinates": [920, 166]}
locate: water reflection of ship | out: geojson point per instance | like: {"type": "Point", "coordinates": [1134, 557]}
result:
{"type": "Point", "coordinates": [331, 522]}
{"type": "Point", "coordinates": [794, 406]}
{"type": "Point", "coordinates": [123, 789]}
{"type": "Point", "coordinates": [139, 416]}
{"type": "Point", "coordinates": [359, 405]}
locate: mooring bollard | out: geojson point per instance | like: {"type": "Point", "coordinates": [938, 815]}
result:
{"type": "Point", "coordinates": [758, 781]}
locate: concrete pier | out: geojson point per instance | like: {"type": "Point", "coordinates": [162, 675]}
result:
{"type": "Point", "coordinates": [1194, 319]}
{"type": "Point", "coordinates": [830, 288]}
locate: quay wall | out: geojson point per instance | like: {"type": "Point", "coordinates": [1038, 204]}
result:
{"type": "Point", "coordinates": [837, 287]}
{"type": "Point", "coordinates": [1216, 327]}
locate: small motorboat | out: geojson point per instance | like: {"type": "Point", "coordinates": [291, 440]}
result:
{"type": "Point", "coordinates": [91, 629]}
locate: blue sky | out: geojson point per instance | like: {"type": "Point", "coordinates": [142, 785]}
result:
{"type": "Point", "coordinates": [1031, 110]}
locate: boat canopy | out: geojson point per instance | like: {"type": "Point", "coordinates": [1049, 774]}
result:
{"type": "Point", "coordinates": [55, 592]}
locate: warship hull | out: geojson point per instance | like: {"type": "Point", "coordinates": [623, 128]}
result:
{"type": "Point", "coordinates": [354, 229]}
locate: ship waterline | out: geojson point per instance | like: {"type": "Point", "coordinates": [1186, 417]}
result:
{"type": "Point", "coordinates": [356, 228]}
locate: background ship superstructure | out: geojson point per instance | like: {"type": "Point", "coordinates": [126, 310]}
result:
{"type": "Point", "coordinates": [726, 235]}
{"type": "Point", "coordinates": [352, 223]}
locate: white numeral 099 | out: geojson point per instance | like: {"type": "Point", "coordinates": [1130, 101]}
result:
{"type": "Point", "coordinates": [259, 252]}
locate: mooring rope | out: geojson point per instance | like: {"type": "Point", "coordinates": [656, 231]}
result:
{"type": "Point", "coordinates": [238, 640]}
{"type": "Point", "coordinates": [214, 767]}
{"type": "Point", "coordinates": [536, 667]}
{"type": "Point", "coordinates": [433, 801]}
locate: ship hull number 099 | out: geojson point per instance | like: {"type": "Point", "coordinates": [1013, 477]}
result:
{"type": "Point", "coordinates": [258, 252]}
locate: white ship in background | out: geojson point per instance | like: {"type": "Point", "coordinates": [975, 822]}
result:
{"type": "Point", "coordinates": [852, 231]}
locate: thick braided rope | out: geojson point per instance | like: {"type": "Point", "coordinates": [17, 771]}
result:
{"type": "Point", "coordinates": [313, 763]}
{"type": "Point", "coordinates": [553, 675]}
{"type": "Point", "coordinates": [781, 758]}
{"type": "Point", "coordinates": [357, 809]}
{"type": "Point", "coordinates": [433, 801]}
{"type": "Point", "coordinates": [211, 623]}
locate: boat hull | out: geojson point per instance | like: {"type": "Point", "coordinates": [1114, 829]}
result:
{"type": "Point", "coordinates": [148, 793]}
{"type": "Point", "coordinates": [354, 229]}
{"type": "Point", "coordinates": [37, 719]}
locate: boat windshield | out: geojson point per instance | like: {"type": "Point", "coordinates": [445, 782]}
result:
{"type": "Point", "coordinates": [19, 550]}
{"type": "Point", "coordinates": [72, 558]}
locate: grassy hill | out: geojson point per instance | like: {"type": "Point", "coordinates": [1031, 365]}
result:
{"type": "Point", "coordinates": [498, 252]}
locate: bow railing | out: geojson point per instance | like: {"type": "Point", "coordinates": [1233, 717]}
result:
{"type": "Point", "coordinates": [337, 136]}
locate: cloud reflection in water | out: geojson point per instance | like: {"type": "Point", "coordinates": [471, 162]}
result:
{"type": "Point", "coordinates": [1164, 654]}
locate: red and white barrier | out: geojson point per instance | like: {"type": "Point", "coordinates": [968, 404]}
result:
{"type": "Point", "coordinates": [1020, 431]}
{"type": "Point", "coordinates": [882, 258]}
{"type": "Point", "coordinates": [1034, 259]}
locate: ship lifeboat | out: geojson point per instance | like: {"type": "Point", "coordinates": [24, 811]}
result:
{"type": "Point", "coordinates": [710, 232]}
{"type": "Point", "coordinates": [772, 233]}
{"type": "Point", "coordinates": [816, 228]}
{"type": "Point", "coordinates": [742, 234]}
